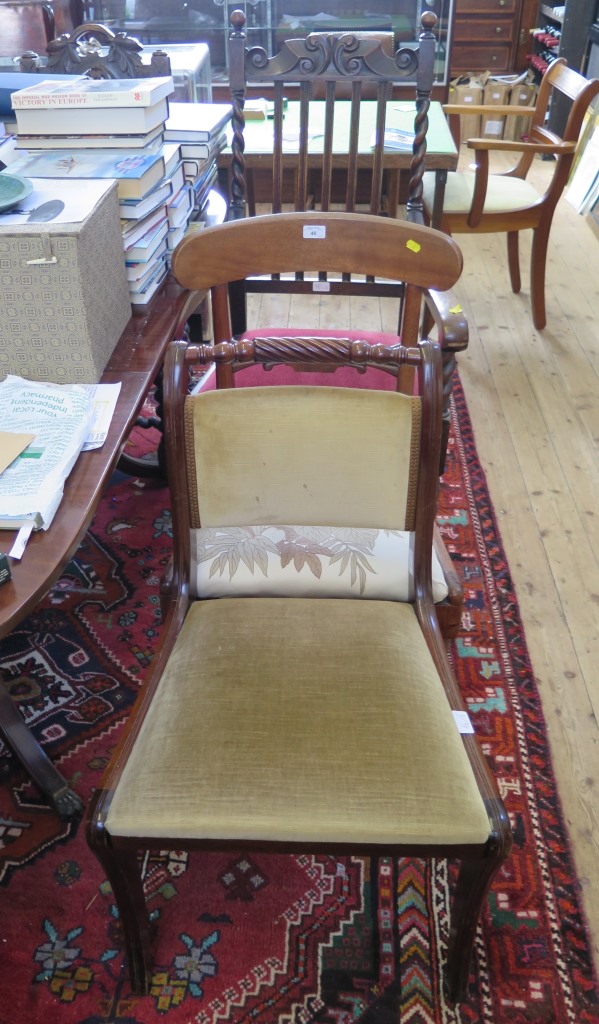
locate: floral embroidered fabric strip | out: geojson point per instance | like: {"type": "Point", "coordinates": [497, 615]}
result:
{"type": "Point", "coordinates": [307, 561]}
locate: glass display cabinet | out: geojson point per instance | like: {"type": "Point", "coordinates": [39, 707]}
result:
{"type": "Point", "coordinates": [270, 22]}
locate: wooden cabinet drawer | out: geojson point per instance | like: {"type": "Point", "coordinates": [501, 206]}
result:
{"type": "Point", "coordinates": [483, 7]}
{"type": "Point", "coordinates": [493, 57]}
{"type": "Point", "coordinates": [484, 30]}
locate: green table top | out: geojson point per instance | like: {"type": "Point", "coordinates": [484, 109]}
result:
{"type": "Point", "coordinates": [441, 151]}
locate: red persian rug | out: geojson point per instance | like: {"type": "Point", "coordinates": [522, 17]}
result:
{"type": "Point", "coordinates": [274, 939]}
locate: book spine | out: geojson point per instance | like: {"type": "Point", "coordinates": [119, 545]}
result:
{"type": "Point", "coordinates": [52, 101]}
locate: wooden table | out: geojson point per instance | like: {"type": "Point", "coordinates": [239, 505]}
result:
{"type": "Point", "coordinates": [135, 362]}
{"type": "Point", "coordinates": [441, 152]}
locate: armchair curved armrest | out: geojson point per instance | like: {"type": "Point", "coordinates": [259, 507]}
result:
{"type": "Point", "coordinates": [527, 150]}
{"type": "Point", "coordinates": [453, 112]}
{"type": "Point", "coordinates": [516, 146]}
{"type": "Point", "coordinates": [461, 109]}
{"type": "Point", "coordinates": [449, 319]}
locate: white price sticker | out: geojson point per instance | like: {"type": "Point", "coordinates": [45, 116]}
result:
{"type": "Point", "coordinates": [315, 231]}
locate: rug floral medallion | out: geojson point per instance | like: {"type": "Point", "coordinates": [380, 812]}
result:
{"type": "Point", "coordinates": [274, 939]}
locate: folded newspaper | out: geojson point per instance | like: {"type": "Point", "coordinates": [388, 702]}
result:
{"type": "Point", "coordinates": [59, 416]}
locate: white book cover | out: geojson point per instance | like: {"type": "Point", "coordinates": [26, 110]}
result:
{"type": "Point", "coordinates": [150, 139]}
{"type": "Point", "coordinates": [93, 92]}
{"type": "Point", "coordinates": [196, 122]}
{"type": "Point", "coordinates": [133, 120]}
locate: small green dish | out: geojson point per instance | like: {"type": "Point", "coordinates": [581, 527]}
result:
{"type": "Point", "coordinates": [13, 189]}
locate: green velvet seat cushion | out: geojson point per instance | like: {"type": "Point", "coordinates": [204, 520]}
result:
{"type": "Point", "coordinates": [300, 720]}
{"type": "Point", "coordinates": [503, 194]}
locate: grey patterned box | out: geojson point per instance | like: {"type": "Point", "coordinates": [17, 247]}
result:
{"type": "Point", "coordinates": [64, 300]}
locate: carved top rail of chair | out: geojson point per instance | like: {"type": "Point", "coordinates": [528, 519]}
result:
{"type": "Point", "coordinates": [360, 60]}
{"type": "Point", "coordinates": [95, 50]}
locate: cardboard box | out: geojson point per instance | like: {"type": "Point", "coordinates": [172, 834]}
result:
{"type": "Point", "coordinates": [64, 300]}
{"type": "Point", "coordinates": [523, 95]}
{"type": "Point", "coordinates": [467, 92]}
{"type": "Point", "coordinates": [494, 94]}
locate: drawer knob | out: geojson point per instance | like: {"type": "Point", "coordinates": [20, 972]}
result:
{"type": "Point", "coordinates": [502, 3]}
{"type": "Point", "coordinates": [499, 30]}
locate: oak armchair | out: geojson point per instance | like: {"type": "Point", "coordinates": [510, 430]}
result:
{"type": "Point", "coordinates": [481, 201]}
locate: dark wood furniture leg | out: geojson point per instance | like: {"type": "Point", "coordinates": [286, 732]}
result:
{"type": "Point", "coordinates": [46, 777]}
{"type": "Point", "coordinates": [440, 183]}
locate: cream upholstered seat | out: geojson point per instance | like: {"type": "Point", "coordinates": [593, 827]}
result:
{"type": "Point", "coordinates": [487, 202]}
{"type": "Point", "coordinates": [503, 194]}
{"type": "Point", "coordinates": [301, 723]}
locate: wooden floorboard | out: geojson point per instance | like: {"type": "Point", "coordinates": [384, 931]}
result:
{"type": "Point", "coordinates": [534, 401]}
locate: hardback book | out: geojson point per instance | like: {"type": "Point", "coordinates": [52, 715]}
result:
{"type": "Point", "coordinates": [196, 122]}
{"type": "Point", "coordinates": [179, 208]}
{"type": "Point", "coordinates": [141, 298]}
{"type": "Point", "coordinates": [192, 169]}
{"type": "Point", "coordinates": [177, 179]}
{"type": "Point", "coordinates": [16, 522]}
{"type": "Point", "coordinates": [195, 165]}
{"type": "Point", "coordinates": [176, 235]}
{"type": "Point", "coordinates": [136, 173]}
{"type": "Point", "coordinates": [138, 274]}
{"type": "Point", "coordinates": [145, 247]}
{"type": "Point", "coordinates": [69, 142]}
{"type": "Point", "coordinates": [201, 190]}
{"type": "Point", "coordinates": [135, 209]}
{"type": "Point", "coordinates": [204, 150]}
{"type": "Point", "coordinates": [207, 176]}
{"type": "Point", "coordinates": [133, 231]}
{"type": "Point", "coordinates": [171, 154]}
{"type": "Point", "coordinates": [93, 92]}
{"type": "Point", "coordinates": [91, 120]}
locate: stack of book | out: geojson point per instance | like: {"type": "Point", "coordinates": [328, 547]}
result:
{"type": "Point", "coordinates": [124, 129]}
{"type": "Point", "coordinates": [200, 131]}
{"type": "Point", "coordinates": [86, 128]}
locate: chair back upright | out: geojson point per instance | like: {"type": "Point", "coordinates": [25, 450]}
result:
{"type": "Point", "coordinates": [325, 62]}
{"type": "Point", "coordinates": [95, 50]}
{"type": "Point", "coordinates": [247, 484]}
{"type": "Point", "coordinates": [558, 82]}
{"type": "Point", "coordinates": [336, 242]}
